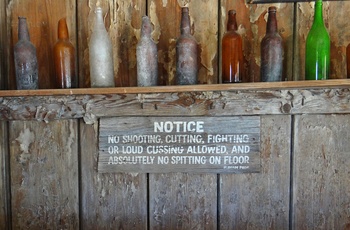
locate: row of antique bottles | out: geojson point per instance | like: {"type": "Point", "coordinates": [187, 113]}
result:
{"type": "Point", "coordinates": [317, 54]}
{"type": "Point", "coordinates": [101, 56]}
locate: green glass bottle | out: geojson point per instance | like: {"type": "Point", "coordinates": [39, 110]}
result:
{"type": "Point", "coordinates": [317, 58]}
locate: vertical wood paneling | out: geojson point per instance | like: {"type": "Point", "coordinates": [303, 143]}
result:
{"type": "Point", "coordinates": [166, 18]}
{"type": "Point", "coordinates": [334, 15]}
{"type": "Point", "coordinates": [321, 182]}
{"type": "Point", "coordinates": [4, 178]}
{"type": "Point", "coordinates": [42, 19]}
{"type": "Point", "coordinates": [3, 45]}
{"type": "Point", "coordinates": [123, 23]}
{"type": "Point", "coordinates": [183, 201]}
{"type": "Point", "coordinates": [261, 201]}
{"type": "Point", "coordinates": [251, 21]}
{"type": "Point", "coordinates": [109, 201]}
{"type": "Point", "coordinates": [44, 175]}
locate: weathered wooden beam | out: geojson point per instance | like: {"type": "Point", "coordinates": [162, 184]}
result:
{"type": "Point", "coordinates": [325, 97]}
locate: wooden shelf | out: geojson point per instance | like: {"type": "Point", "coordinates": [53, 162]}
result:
{"type": "Point", "coordinates": [299, 97]}
{"type": "Point", "coordinates": [341, 83]}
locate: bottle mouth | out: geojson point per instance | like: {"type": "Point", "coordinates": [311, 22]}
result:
{"type": "Point", "coordinates": [230, 12]}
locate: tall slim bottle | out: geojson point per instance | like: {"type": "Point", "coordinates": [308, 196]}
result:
{"type": "Point", "coordinates": [101, 55]}
{"type": "Point", "coordinates": [271, 50]}
{"type": "Point", "coordinates": [317, 58]}
{"type": "Point", "coordinates": [232, 52]}
{"type": "Point", "coordinates": [26, 62]}
{"type": "Point", "coordinates": [348, 61]}
{"type": "Point", "coordinates": [147, 57]}
{"type": "Point", "coordinates": [186, 53]}
{"type": "Point", "coordinates": [64, 58]}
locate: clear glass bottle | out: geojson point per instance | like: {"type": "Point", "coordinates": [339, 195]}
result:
{"type": "Point", "coordinates": [317, 54]}
{"type": "Point", "coordinates": [232, 52]}
{"type": "Point", "coordinates": [186, 53]}
{"type": "Point", "coordinates": [101, 55]}
{"type": "Point", "coordinates": [26, 62]}
{"type": "Point", "coordinates": [64, 58]}
{"type": "Point", "coordinates": [147, 57]}
{"type": "Point", "coordinates": [271, 51]}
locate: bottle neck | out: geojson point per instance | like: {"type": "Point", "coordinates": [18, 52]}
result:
{"type": "Point", "coordinates": [318, 17]}
{"type": "Point", "coordinates": [185, 26]}
{"type": "Point", "coordinates": [99, 23]}
{"type": "Point", "coordinates": [62, 29]}
{"type": "Point", "coordinates": [23, 33]}
{"type": "Point", "coordinates": [231, 22]}
{"type": "Point", "coordinates": [146, 29]}
{"type": "Point", "coordinates": [271, 26]}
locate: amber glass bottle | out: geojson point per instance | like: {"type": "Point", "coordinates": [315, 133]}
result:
{"type": "Point", "coordinates": [64, 58]}
{"type": "Point", "coordinates": [348, 61]}
{"type": "Point", "coordinates": [147, 58]}
{"type": "Point", "coordinates": [186, 53]}
{"type": "Point", "coordinates": [232, 52]}
{"type": "Point", "coordinates": [26, 62]}
{"type": "Point", "coordinates": [271, 50]}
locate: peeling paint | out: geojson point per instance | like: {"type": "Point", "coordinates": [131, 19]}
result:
{"type": "Point", "coordinates": [26, 137]}
{"type": "Point", "coordinates": [155, 21]}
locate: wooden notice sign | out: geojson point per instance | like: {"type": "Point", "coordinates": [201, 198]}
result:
{"type": "Point", "coordinates": [179, 144]}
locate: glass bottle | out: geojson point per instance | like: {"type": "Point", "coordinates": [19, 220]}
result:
{"type": "Point", "coordinates": [317, 55]}
{"type": "Point", "coordinates": [232, 52]}
{"type": "Point", "coordinates": [271, 50]}
{"type": "Point", "coordinates": [64, 58]}
{"type": "Point", "coordinates": [101, 55]}
{"type": "Point", "coordinates": [186, 53]}
{"type": "Point", "coordinates": [348, 61]}
{"type": "Point", "coordinates": [26, 62]}
{"type": "Point", "coordinates": [147, 58]}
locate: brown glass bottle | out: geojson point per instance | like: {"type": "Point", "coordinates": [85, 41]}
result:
{"type": "Point", "coordinates": [64, 58]}
{"type": "Point", "coordinates": [271, 51]}
{"type": "Point", "coordinates": [186, 53]}
{"type": "Point", "coordinates": [26, 62]}
{"type": "Point", "coordinates": [348, 61]}
{"type": "Point", "coordinates": [232, 52]}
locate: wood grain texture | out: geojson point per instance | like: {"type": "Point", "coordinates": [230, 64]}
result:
{"type": "Point", "coordinates": [339, 32]}
{"type": "Point", "coordinates": [42, 19]}
{"type": "Point", "coordinates": [197, 103]}
{"type": "Point", "coordinates": [321, 181]}
{"type": "Point", "coordinates": [166, 16]}
{"type": "Point", "coordinates": [109, 201]}
{"type": "Point", "coordinates": [183, 201]}
{"type": "Point", "coordinates": [44, 175]}
{"type": "Point", "coordinates": [5, 199]}
{"type": "Point", "coordinates": [3, 46]}
{"type": "Point", "coordinates": [251, 21]}
{"type": "Point", "coordinates": [123, 23]}
{"type": "Point", "coordinates": [261, 201]}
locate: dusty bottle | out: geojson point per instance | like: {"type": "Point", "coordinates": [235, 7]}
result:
{"type": "Point", "coordinates": [232, 52]}
{"type": "Point", "coordinates": [186, 53]}
{"type": "Point", "coordinates": [101, 55]}
{"type": "Point", "coordinates": [147, 58]}
{"type": "Point", "coordinates": [26, 62]}
{"type": "Point", "coordinates": [271, 50]}
{"type": "Point", "coordinates": [64, 58]}
{"type": "Point", "coordinates": [317, 56]}
{"type": "Point", "coordinates": [348, 61]}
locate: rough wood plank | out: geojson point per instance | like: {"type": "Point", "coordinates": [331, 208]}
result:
{"type": "Point", "coordinates": [42, 18]}
{"type": "Point", "coordinates": [261, 201]}
{"type": "Point", "coordinates": [44, 175]}
{"type": "Point", "coordinates": [109, 201]}
{"type": "Point", "coordinates": [251, 21]}
{"type": "Point", "coordinates": [338, 30]}
{"type": "Point", "coordinates": [207, 103]}
{"type": "Point", "coordinates": [3, 45]}
{"type": "Point", "coordinates": [183, 201]}
{"type": "Point", "coordinates": [321, 181]}
{"type": "Point", "coordinates": [4, 178]}
{"type": "Point", "coordinates": [123, 23]}
{"type": "Point", "coordinates": [166, 16]}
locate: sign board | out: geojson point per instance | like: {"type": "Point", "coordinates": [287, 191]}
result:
{"type": "Point", "coordinates": [179, 144]}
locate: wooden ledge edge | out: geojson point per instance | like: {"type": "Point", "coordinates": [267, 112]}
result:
{"type": "Point", "coordinates": [339, 83]}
